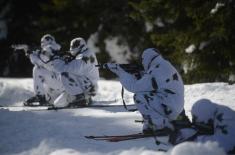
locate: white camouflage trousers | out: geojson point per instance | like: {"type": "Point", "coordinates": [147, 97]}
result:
{"type": "Point", "coordinates": [60, 89]}
{"type": "Point", "coordinates": [158, 108]}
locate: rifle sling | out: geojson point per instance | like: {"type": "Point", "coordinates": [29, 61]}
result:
{"type": "Point", "coordinates": [124, 103]}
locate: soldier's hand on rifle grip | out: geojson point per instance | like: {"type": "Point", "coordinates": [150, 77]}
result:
{"type": "Point", "coordinates": [115, 68]}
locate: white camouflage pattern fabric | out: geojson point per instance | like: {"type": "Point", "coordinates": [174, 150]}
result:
{"type": "Point", "coordinates": [159, 93]}
{"type": "Point", "coordinates": [223, 119]}
{"type": "Point", "coordinates": [70, 78]}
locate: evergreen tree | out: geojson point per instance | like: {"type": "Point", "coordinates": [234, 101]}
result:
{"type": "Point", "coordinates": [21, 18]}
{"type": "Point", "coordinates": [106, 18]}
{"type": "Point", "coordinates": [195, 35]}
{"type": "Point", "coordinates": [68, 19]}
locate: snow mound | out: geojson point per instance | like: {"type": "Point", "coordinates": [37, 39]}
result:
{"type": "Point", "coordinates": [191, 148]}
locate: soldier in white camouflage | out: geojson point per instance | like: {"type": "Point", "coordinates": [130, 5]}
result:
{"type": "Point", "coordinates": [214, 122]}
{"type": "Point", "coordinates": [159, 93]}
{"type": "Point", "coordinates": [76, 75]}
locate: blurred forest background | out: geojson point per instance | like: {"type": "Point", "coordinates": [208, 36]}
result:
{"type": "Point", "coordinates": [197, 36]}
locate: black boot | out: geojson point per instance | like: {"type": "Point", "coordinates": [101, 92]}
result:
{"type": "Point", "coordinates": [150, 129]}
{"type": "Point", "coordinates": [182, 121]}
{"type": "Point", "coordinates": [80, 100]}
{"type": "Point", "coordinates": [184, 130]}
{"type": "Point", "coordinates": [38, 100]}
{"type": "Point", "coordinates": [159, 132]}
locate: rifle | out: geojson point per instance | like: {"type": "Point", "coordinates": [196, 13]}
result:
{"type": "Point", "coordinates": [130, 68]}
{"type": "Point", "coordinates": [134, 69]}
{"type": "Point", "coordinates": [26, 48]}
{"type": "Point", "coordinates": [66, 56]}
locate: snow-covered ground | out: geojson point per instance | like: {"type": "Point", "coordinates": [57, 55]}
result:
{"type": "Point", "coordinates": [62, 132]}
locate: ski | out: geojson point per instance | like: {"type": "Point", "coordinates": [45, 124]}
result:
{"type": "Point", "coordinates": [24, 108]}
{"type": "Point", "coordinates": [43, 108]}
{"type": "Point", "coordinates": [118, 138]}
{"type": "Point", "coordinates": [108, 136]}
{"type": "Point", "coordinates": [160, 140]}
{"type": "Point", "coordinates": [89, 106]}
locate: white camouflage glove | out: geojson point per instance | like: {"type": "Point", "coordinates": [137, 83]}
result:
{"type": "Point", "coordinates": [34, 59]}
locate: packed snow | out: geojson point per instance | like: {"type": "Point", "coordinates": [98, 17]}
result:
{"type": "Point", "coordinates": [62, 132]}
